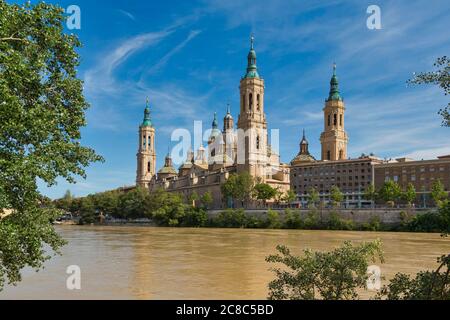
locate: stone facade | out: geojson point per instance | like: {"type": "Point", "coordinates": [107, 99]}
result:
{"type": "Point", "coordinates": [229, 151]}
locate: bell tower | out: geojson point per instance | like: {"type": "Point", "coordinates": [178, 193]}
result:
{"type": "Point", "coordinates": [252, 121]}
{"type": "Point", "coordinates": [334, 139]}
{"type": "Point", "coordinates": [146, 156]}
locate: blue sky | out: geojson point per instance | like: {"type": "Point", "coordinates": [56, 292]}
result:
{"type": "Point", "coordinates": [188, 57]}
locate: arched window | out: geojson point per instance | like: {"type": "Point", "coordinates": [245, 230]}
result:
{"type": "Point", "coordinates": [250, 102]}
{"type": "Point", "coordinates": [149, 167]}
{"type": "Point", "coordinates": [329, 155]}
{"type": "Point", "coordinates": [335, 120]}
{"type": "Point", "coordinates": [341, 120]}
{"type": "Point", "coordinates": [329, 120]}
{"type": "Point", "coordinates": [144, 141]}
{"type": "Point", "coordinates": [258, 102]}
{"type": "Point", "coordinates": [213, 153]}
{"type": "Point", "coordinates": [258, 143]}
{"type": "Point", "coordinates": [341, 154]}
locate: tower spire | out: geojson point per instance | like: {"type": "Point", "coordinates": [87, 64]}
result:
{"type": "Point", "coordinates": [335, 95]}
{"type": "Point", "coordinates": [215, 124]}
{"type": "Point", "coordinates": [252, 69]}
{"type": "Point", "coordinates": [147, 118]}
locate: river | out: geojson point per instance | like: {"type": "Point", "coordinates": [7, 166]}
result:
{"type": "Point", "coordinates": [163, 263]}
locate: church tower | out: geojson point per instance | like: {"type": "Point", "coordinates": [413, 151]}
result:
{"type": "Point", "coordinates": [334, 139]}
{"type": "Point", "coordinates": [146, 157]}
{"type": "Point", "coordinates": [252, 150]}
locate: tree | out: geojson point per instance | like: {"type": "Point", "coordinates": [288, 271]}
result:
{"type": "Point", "coordinates": [133, 204]}
{"type": "Point", "coordinates": [193, 198]}
{"type": "Point", "coordinates": [438, 193]}
{"type": "Point", "coordinates": [425, 285]}
{"type": "Point", "coordinates": [290, 196]}
{"type": "Point", "coordinates": [390, 192]}
{"type": "Point", "coordinates": [335, 275]}
{"type": "Point", "coordinates": [410, 194]}
{"type": "Point", "coordinates": [336, 196]}
{"type": "Point", "coordinates": [440, 77]}
{"type": "Point", "coordinates": [42, 108]}
{"type": "Point", "coordinates": [264, 192]}
{"type": "Point", "coordinates": [206, 199]}
{"type": "Point", "coordinates": [371, 193]}
{"type": "Point", "coordinates": [167, 209]}
{"type": "Point", "coordinates": [239, 187]}
{"type": "Point", "coordinates": [313, 197]}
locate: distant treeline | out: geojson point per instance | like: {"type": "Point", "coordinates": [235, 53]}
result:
{"type": "Point", "coordinates": [173, 210]}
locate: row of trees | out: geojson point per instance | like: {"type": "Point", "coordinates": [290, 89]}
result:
{"type": "Point", "coordinates": [391, 193]}
{"type": "Point", "coordinates": [167, 209]}
{"type": "Point", "coordinates": [244, 188]}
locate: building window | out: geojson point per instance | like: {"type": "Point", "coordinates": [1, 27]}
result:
{"type": "Point", "coordinates": [341, 120]}
{"type": "Point", "coordinates": [149, 167]}
{"type": "Point", "coordinates": [250, 102]}
{"type": "Point", "coordinates": [258, 101]}
{"type": "Point", "coordinates": [257, 143]}
{"type": "Point", "coordinates": [329, 120]}
{"type": "Point", "coordinates": [213, 153]}
{"type": "Point", "coordinates": [335, 119]}
{"type": "Point", "coordinates": [341, 154]}
{"type": "Point", "coordinates": [329, 155]}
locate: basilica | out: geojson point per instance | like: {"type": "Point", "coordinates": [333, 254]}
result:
{"type": "Point", "coordinates": [232, 150]}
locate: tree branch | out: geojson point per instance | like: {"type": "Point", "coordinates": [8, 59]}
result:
{"type": "Point", "coordinates": [13, 39]}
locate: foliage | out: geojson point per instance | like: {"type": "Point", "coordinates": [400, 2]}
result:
{"type": "Point", "coordinates": [293, 220]}
{"type": "Point", "coordinates": [312, 221]}
{"type": "Point", "coordinates": [231, 219]}
{"type": "Point", "coordinates": [313, 197]}
{"type": "Point", "coordinates": [206, 199]}
{"type": "Point", "coordinates": [336, 196]}
{"type": "Point", "coordinates": [335, 275]}
{"type": "Point", "coordinates": [440, 77]}
{"type": "Point", "coordinates": [390, 192]}
{"type": "Point", "coordinates": [166, 209]}
{"type": "Point", "coordinates": [290, 196]}
{"type": "Point", "coordinates": [410, 194]}
{"type": "Point", "coordinates": [373, 225]}
{"type": "Point", "coordinates": [273, 220]}
{"type": "Point", "coordinates": [194, 218]}
{"type": "Point", "coordinates": [337, 223]}
{"type": "Point", "coordinates": [438, 193]}
{"type": "Point", "coordinates": [425, 285]}
{"type": "Point", "coordinates": [264, 192]}
{"type": "Point", "coordinates": [431, 221]}
{"type": "Point", "coordinates": [239, 187]}
{"type": "Point", "coordinates": [42, 108]}
{"type": "Point", "coordinates": [371, 193]}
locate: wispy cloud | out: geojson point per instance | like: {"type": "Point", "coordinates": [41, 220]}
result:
{"type": "Point", "coordinates": [127, 14]}
{"type": "Point", "coordinates": [163, 61]}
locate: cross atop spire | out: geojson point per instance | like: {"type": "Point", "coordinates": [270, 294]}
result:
{"type": "Point", "coordinates": [334, 86]}
{"type": "Point", "coordinates": [252, 41]}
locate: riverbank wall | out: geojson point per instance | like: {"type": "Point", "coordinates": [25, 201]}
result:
{"type": "Point", "coordinates": [358, 216]}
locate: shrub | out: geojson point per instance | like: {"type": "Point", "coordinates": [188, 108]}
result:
{"type": "Point", "coordinates": [273, 220]}
{"type": "Point", "coordinates": [231, 219]}
{"type": "Point", "coordinates": [312, 220]}
{"type": "Point", "coordinates": [373, 225]}
{"type": "Point", "coordinates": [335, 275]}
{"type": "Point", "coordinates": [292, 220]}
{"type": "Point", "coordinates": [337, 223]}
